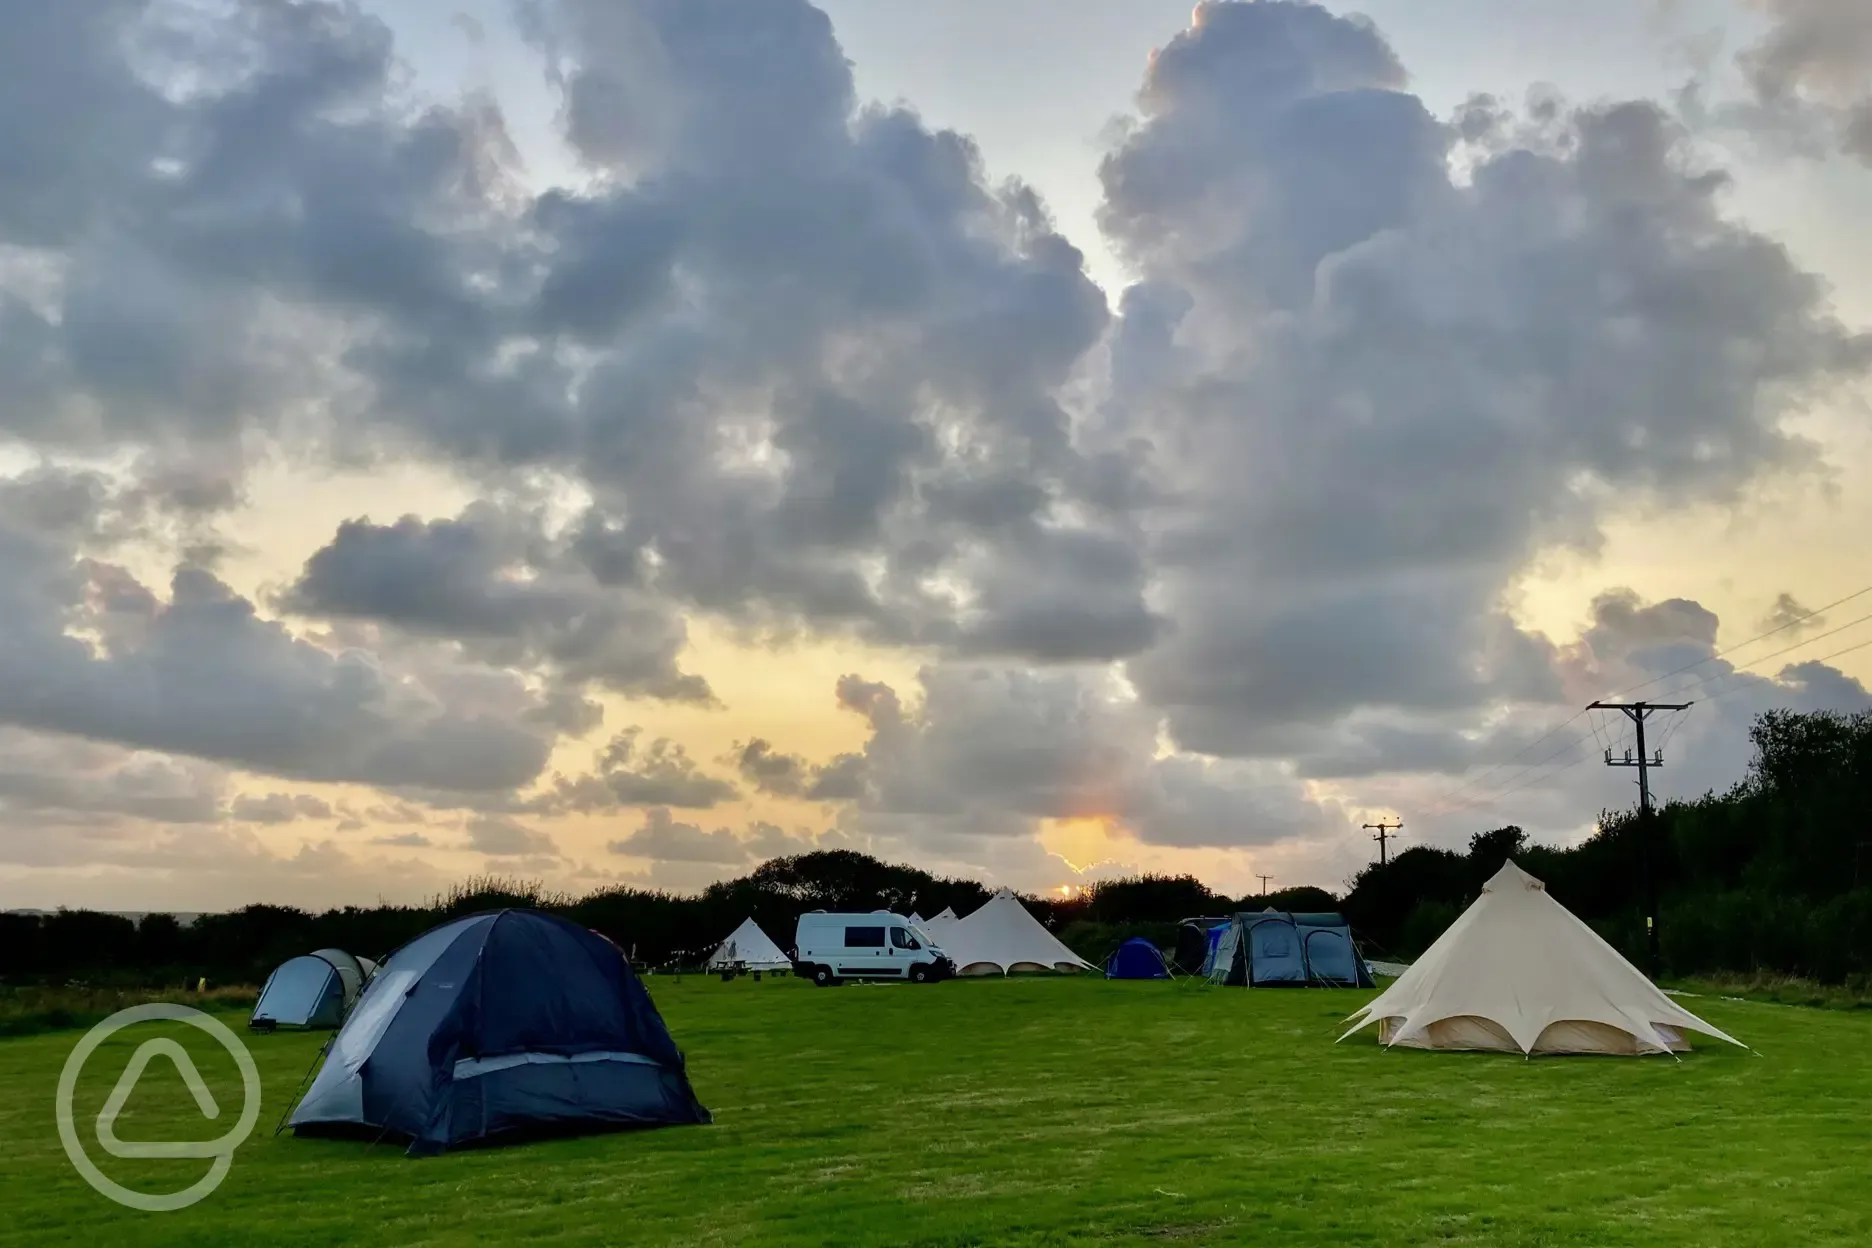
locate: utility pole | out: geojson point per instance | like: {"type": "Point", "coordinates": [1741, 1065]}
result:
{"type": "Point", "coordinates": [1384, 830]}
{"type": "Point", "coordinates": [1264, 882]}
{"type": "Point", "coordinates": [1637, 712]}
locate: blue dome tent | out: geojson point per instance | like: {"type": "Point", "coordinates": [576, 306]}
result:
{"type": "Point", "coordinates": [1136, 958]}
{"type": "Point", "coordinates": [501, 1024]}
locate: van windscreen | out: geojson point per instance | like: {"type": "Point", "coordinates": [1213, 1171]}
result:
{"type": "Point", "coordinates": [864, 938]}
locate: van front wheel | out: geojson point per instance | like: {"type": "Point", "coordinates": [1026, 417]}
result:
{"type": "Point", "coordinates": [920, 973]}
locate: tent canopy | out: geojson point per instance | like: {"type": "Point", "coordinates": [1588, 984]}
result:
{"type": "Point", "coordinates": [752, 948]}
{"type": "Point", "coordinates": [1002, 937]}
{"type": "Point", "coordinates": [1136, 958]}
{"type": "Point", "coordinates": [311, 990]}
{"type": "Point", "coordinates": [1519, 972]}
{"type": "Point", "coordinates": [497, 1024]}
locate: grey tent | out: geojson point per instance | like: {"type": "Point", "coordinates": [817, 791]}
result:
{"type": "Point", "coordinates": [312, 990]}
{"type": "Point", "coordinates": [1273, 949]}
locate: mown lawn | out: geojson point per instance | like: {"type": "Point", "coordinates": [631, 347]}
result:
{"type": "Point", "coordinates": [1032, 1112]}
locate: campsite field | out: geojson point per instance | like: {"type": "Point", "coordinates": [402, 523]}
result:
{"type": "Point", "coordinates": [1030, 1112]}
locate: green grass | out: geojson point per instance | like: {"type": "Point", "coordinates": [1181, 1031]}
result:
{"type": "Point", "coordinates": [1035, 1112]}
{"type": "Point", "coordinates": [1775, 989]}
{"type": "Point", "coordinates": [30, 1009]}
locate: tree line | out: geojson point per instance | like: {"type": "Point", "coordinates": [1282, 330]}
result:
{"type": "Point", "coordinates": [658, 929]}
{"type": "Point", "coordinates": [1775, 874]}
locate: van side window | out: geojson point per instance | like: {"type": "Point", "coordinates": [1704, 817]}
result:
{"type": "Point", "coordinates": [902, 939]}
{"type": "Point", "coordinates": [864, 938]}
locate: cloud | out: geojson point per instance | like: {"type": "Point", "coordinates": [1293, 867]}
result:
{"type": "Point", "coordinates": [1789, 615]}
{"type": "Point", "coordinates": [684, 855]}
{"type": "Point", "coordinates": [780, 774]}
{"type": "Point", "coordinates": [493, 581]}
{"type": "Point", "coordinates": [201, 673]}
{"type": "Point", "coordinates": [1814, 66]}
{"type": "Point", "coordinates": [50, 782]}
{"type": "Point", "coordinates": [628, 774]}
{"type": "Point", "coordinates": [278, 808]}
{"type": "Point", "coordinates": [408, 840]}
{"type": "Point", "coordinates": [497, 835]}
{"type": "Point", "coordinates": [664, 838]}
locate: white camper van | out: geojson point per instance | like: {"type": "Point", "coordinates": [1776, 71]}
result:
{"type": "Point", "coordinates": [832, 948]}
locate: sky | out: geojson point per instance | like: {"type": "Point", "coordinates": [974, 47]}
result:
{"type": "Point", "coordinates": [615, 442]}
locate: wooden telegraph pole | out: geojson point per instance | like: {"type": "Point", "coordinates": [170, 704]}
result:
{"type": "Point", "coordinates": [1637, 713]}
{"type": "Point", "coordinates": [1384, 831]}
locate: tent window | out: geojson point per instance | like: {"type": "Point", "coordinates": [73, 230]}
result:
{"type": "Point", "coordinates": [297, 989]}
{"type": "Point", "coordinates": [901, 939]}
{"type": "Point", "coordinates": [864, 938]}
{"type": "Point", "coordinates": [1271, 941]}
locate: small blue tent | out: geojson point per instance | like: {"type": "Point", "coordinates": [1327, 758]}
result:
{"type": "Point", "coordinates": [1136, 958]}
{"type": "Point", "coordinates": [495, 1025]}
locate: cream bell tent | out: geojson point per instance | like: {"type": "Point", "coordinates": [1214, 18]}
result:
{"type": "Point", "coordinates": [1520, 973]}
{"type": "Point", "coordinates": [751, 948]}
{"type": "Point", "coordinates": [1002, 937]}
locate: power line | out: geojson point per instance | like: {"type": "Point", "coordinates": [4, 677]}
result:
{"type": "Point", "coordinates": [1741, 667]}
{"type": "Point", "coordinates": [1779, 628]}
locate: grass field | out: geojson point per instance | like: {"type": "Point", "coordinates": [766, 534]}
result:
{"type": "Point", "coordinates": [1029, 1112]}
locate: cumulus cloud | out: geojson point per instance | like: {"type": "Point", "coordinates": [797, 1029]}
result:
{"type": "Point", "coordinates": [662, 836]}
{"type": "Point", "coordinates": [684, 855]}
{"type": "Point", "coordinates": [781, 774]}
{"type": "Point", "coordinates": [89, 651]}
{"type": "Point", "coordinates": [53, 783]}
{"type": "Point", "coordinates": [1445, 377]}
{"type": "Point", "coordinates": [631, 774]}
{"type": "Point", "coordinates": [492, 580]}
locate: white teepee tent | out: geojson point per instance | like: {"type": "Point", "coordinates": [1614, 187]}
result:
{"type": "Point", "coordinates": [939, 928]}
{"type": "Point", "coordinates": [752, 948]}
{"type": "Point", "coordinates": [1002, 937]}
{"type": "Point", "coordinates": [1520, 973]}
